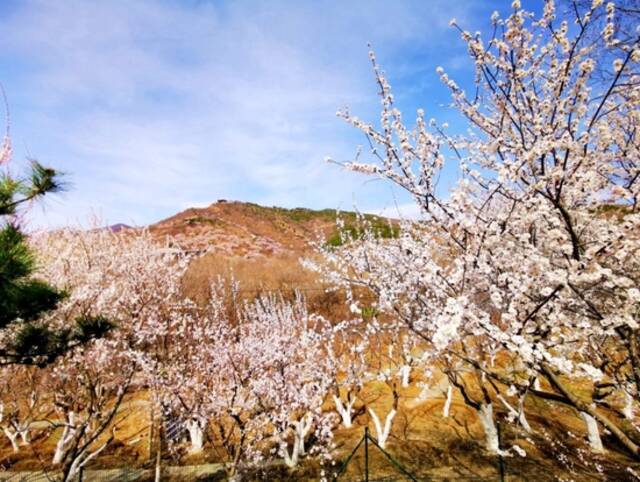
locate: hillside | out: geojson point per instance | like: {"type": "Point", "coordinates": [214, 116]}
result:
{"type": "Point", "coordinates": [261, 247]}
{"type": "Point", "coordinates": [249, 230]}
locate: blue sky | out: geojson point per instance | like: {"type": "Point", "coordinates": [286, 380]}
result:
{"type": "Point", "coordinates": [154, 106]}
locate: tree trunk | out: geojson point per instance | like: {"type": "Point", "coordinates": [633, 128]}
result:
{"type": "Point", "coordinates": [292, 459]}
{"type": "Point", "coordinates": [13, 438]}
{"type": "Point", "coordinates": [73, 470]}
{"type": "Point", "coordinates": [519, 413]}
{"type": "Point", "coordinates": [302, 428]}
{"type": "Point", "coordinates": [24, 435]}
{"type": "Point", "coordinates": [196, 435]}
{"type": "Point", "coordinates": [488, 424]}
{"type": "Point", "coordinates": [67, 435]}
{"type": "Point", "coordinates": [382, 434]}
{"type": "Point", "coordinates": [593, 433]}
{"type": "Point", "coordinates": [584, 407]}
{"type": "Point", "coordinates": [522, 416]}
{"type": "Point", "coordinates": [344, 410]}
{"type": "Point", "coordinates": [627, 410]}
{"type": "Point", "coordinates": [536, 384]}
{"type": "Point", "coordinates": [447, 403]}
{"type": "Point", "coordinates": [158, 470]}
{"type": "Point", "coordinates": [58, 455]}
{"type": "Point", "coordinates": [82, 458]}
{"type": "Point", "coordinates": [405, 373]}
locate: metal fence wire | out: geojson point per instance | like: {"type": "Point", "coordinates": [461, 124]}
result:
{"type": "Point", "coordinates": [366, 440]}
{"type": "Point", "coordinates": [367, 461]}
{"type": "Point", "coordinates": [368, 443]}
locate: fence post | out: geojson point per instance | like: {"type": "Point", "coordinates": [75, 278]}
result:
{"type": "Point", "coordinates": [366, 454]}
{"type": "Point", "coordinates": [500, 458]}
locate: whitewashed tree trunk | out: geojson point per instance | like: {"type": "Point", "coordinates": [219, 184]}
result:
{"type": "Point", "coordinates": [14, 430]}
{"type": "Point", "coordinates": [83, 459]}
{"type": "Point", "coordinates": [405, 373]}
{"type": "Point", "coordinates": [627, 410]}
{"type": "Point", "coordinates": [25, 436]}
{"type": "Point", "coordinates": [158, 471]}
{"type": "Point", "coordinates": [345, 410]}
{"type": "Point", "coordinates": [519, 413]}
{"type": "Point", "coordinates": [196, 427]}
{"type": "Point", "coordinates": [74, 470]}
{"type": "Point", "coordinates": [490, 431]}
{"type": "Point", "coordinates": [593, 433]}
{"type": "Point", "coordinates": [447, 402]}
{"type": "Point", "coordinates": [522, 416]}
{"type": "Point", "coordinates": [382, 434]}
{"type": "Point", "coordinates": [13, 438]}
{"type": "Point", "coordinates": [11, 434]}
{"type": "Point", "coordinates": [302, 429]}
{"type": "Point", "coordinates": [66, 437]}
{"type": "Point", "coordinates": [292, 459]}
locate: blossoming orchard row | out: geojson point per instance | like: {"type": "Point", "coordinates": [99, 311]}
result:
{"type": "Point", "coordinates": [521, 282]}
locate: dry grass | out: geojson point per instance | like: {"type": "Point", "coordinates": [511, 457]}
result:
{"type": "Point", "coordinates": [131, 442]}
{"type": "Point", "coordinates": [260, 248]}
{"type": "Point", "coordinates": [424, 442]}
{"type": "Point", "coordinates": [282, 274]}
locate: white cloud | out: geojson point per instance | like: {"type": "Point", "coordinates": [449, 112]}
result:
{"type": "Point", "coordinates": [407, 211]}
{"type": "Point", "coordinates": [152, 104]}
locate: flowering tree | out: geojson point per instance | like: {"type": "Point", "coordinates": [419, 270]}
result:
{"type": "Point", "coordinates": [256, 381]}
{"type": "Point", "coordinates": [346, 354]}
{"type": "Point", "coordinates": [126, 277]}
{"type": "Point", "coordinates": [136, 283]}
{"type": "Point", "coordinates": [535, 251]}
{"type": "Point", "coordinates": [292, 376]}
{"type": "Point", "coordinates": [87, 388]}
{"type": "Point", "coordinates": [396, 270]}
{"type": "Point", "coordinates": [191, 370]}
{"type": "Point", "coordinates": [21, 403]}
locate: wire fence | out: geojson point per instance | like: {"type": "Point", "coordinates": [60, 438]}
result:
{"type": "Point", "coordinates": [365, 461]}
{"type": "Point", "coordinates": [365, 440]}
{"type": "Point", "coordinates": [367, 445]}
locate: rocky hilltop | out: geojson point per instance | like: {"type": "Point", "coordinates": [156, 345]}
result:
{"type": "Point", "coordinates": [250, 230]}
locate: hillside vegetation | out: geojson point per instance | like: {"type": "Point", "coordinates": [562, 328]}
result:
{"type": "Point", "coordinates": [249, 230]}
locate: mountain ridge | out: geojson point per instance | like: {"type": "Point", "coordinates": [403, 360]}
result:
{"type": "Point", "coordinates": [249, 230]}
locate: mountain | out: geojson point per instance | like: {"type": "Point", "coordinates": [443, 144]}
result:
{"type": "Point", "coordinates": [250, 230]}
{"type": "Point", "coordinates": [116, 228]}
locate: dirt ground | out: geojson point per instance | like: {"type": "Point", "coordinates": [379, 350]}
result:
{"type": "Point", "coordinates": [422, 442]}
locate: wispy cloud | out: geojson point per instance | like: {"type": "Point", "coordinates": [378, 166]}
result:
{"type": "Point", "coordinates": [150, 105]}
